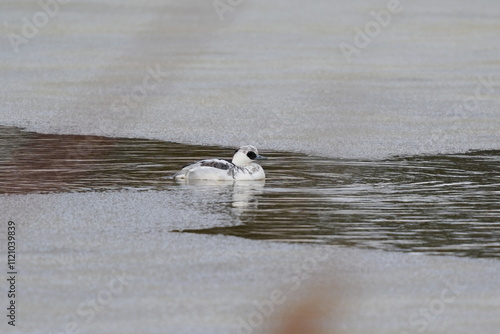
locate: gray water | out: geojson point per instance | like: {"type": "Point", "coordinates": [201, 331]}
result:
{"type": "Point", "coordinates": [435, 204]}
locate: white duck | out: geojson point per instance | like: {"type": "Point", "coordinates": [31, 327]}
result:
{"type": "Point", "coordinates": [241, 168]}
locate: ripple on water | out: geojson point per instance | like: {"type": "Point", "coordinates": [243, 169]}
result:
{"type": "Point", "coordinates": [441, 204]}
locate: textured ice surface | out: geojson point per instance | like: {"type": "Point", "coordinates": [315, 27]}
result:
{"type": "Point", "coordinates": [271, 74]}
{"type": "Point", "coordinates": [74, 245]}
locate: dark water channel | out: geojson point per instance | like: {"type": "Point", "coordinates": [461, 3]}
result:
{"type": "Point", "coordinates": [439, 204]}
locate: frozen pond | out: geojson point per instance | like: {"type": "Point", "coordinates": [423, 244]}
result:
{"type": "Point", "coordinates": [379, 156]}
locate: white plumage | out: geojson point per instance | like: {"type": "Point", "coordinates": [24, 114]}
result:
{"type": "Point", "coordinates": [241, 168]}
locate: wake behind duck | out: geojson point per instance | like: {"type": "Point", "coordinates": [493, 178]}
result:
{"type": "Point", "coordinates": [241, 168]}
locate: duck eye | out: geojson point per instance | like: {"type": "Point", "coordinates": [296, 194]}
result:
{"type": "Point", "coordinates": [251, 155]}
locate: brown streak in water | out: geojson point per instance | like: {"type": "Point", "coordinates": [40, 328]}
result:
{"type": "Point", "coordinates": [46, 163]}
{"type": "Point", "coordinates": [317, 311]}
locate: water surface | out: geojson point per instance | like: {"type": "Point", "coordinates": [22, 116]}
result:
{"type": "Point", "coordinates": [439, 204]}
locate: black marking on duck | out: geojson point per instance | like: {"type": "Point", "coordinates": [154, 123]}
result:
{"type": "Point", "coordinates": [219, 164]}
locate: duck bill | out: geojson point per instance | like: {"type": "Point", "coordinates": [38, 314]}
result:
{"type": "Point", "coordinates": [260, 157]}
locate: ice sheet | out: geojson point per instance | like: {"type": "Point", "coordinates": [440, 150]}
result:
{"type": "Point", "coordinates": [271, 74]}
{"type": "Point", "coordinates": [74, 246]}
